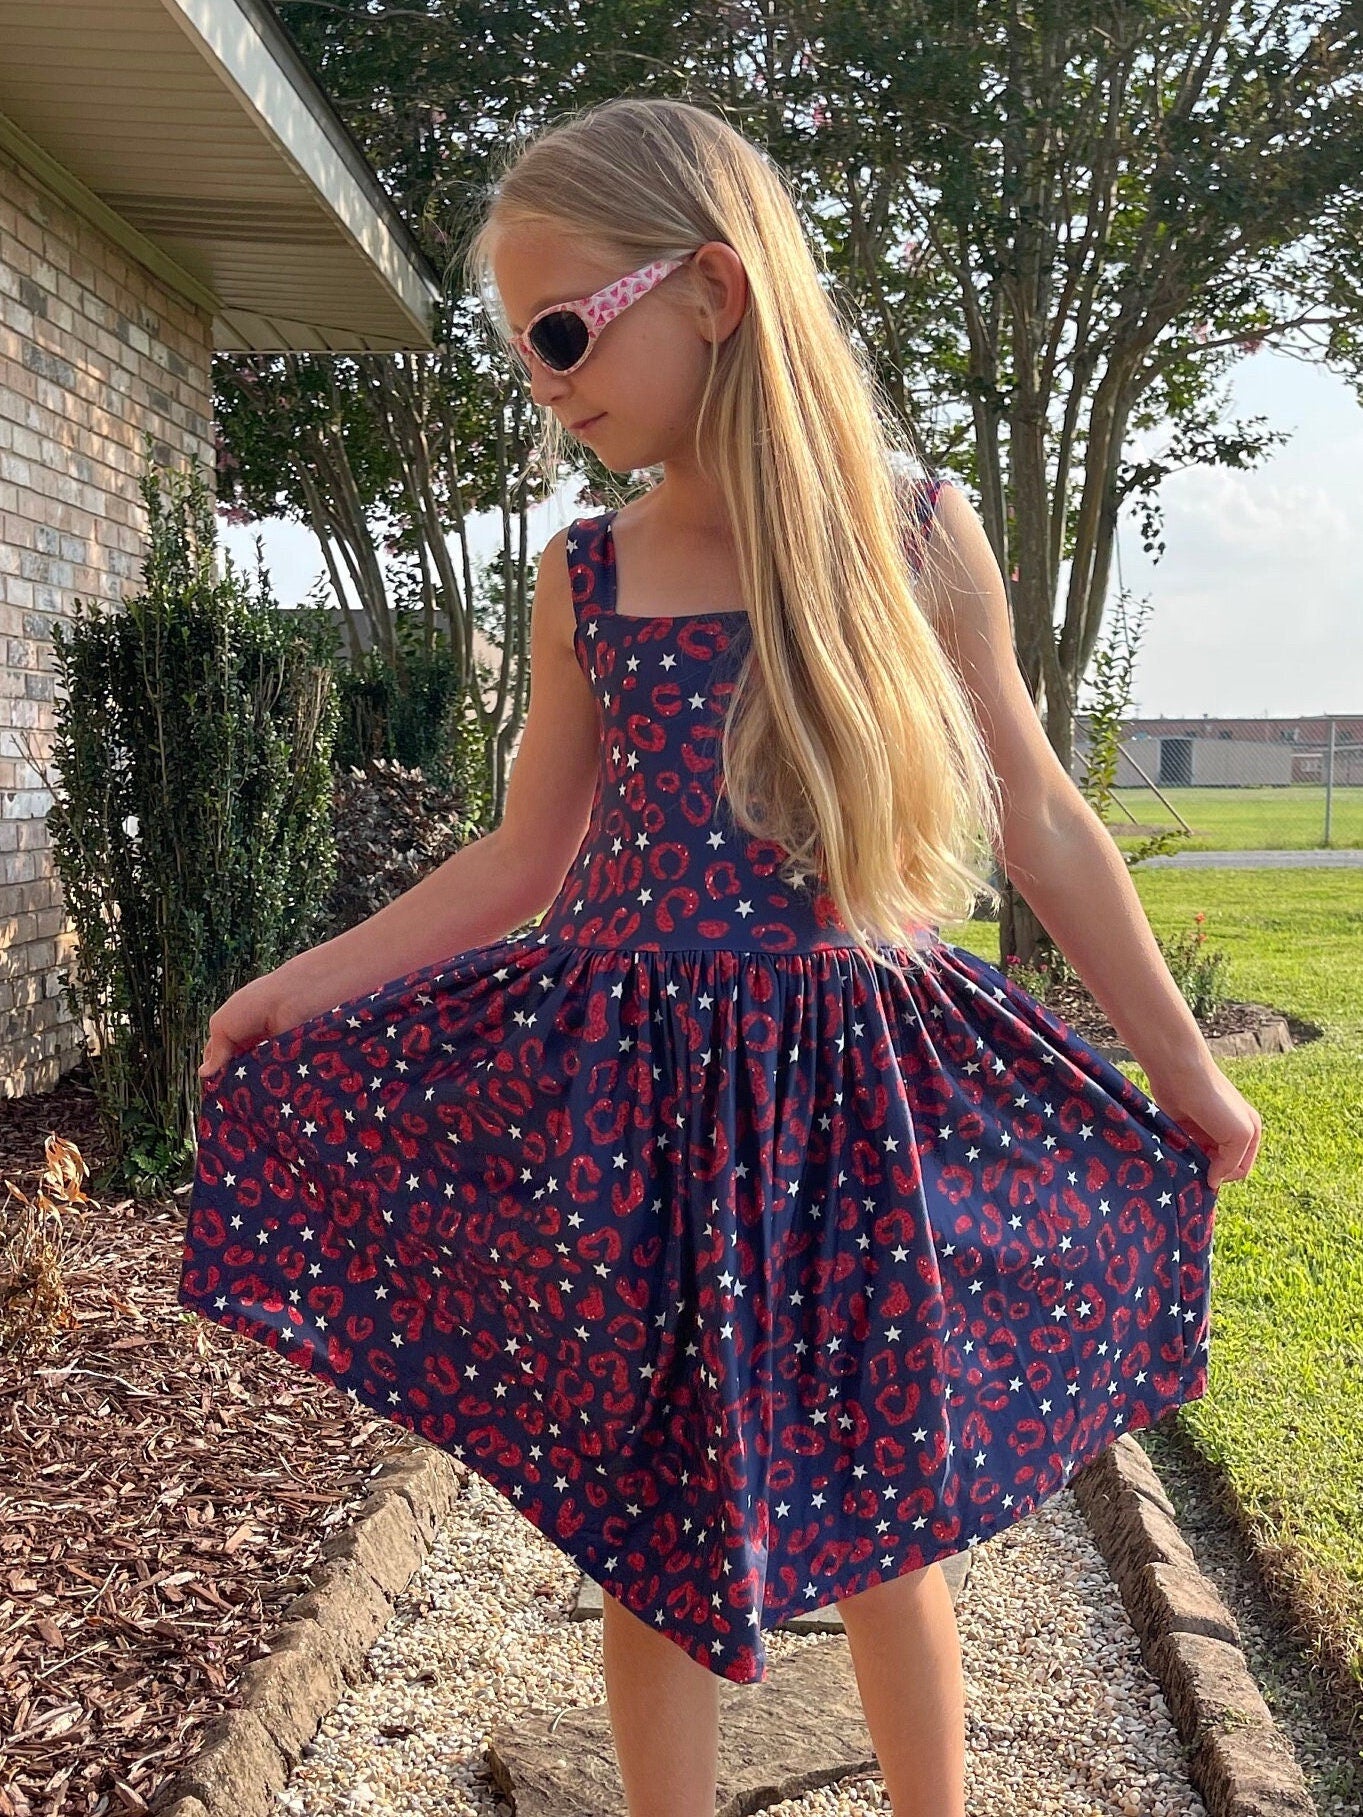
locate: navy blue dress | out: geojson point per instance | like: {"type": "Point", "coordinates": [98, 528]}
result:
{"type": "Point", "coordinates": [748, 1274]}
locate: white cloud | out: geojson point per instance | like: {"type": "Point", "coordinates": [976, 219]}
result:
{"type": "Point", "coordinates": [1257, 599]}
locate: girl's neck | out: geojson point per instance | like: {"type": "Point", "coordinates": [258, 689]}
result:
{"type": "Point", "coordinates": [686, 503]}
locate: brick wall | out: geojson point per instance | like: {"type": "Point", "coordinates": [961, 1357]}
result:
{"type": "Point", "coordinates": [93, 352]}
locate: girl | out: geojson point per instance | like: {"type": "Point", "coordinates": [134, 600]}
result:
{"type": "Point", "coordinates": [762, 1248]}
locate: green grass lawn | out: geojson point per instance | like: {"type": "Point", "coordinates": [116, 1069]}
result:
{"type": "Point", "coordinates": [1237, 820]}
{"type": "Point", "coordinates": [1282, 1419]}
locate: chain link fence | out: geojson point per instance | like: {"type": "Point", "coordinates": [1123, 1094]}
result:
{"type": "Point", "coordinates": [1237, 784]}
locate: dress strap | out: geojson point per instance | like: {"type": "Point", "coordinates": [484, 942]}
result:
{"type": "Point", "coordinates": [591, 565]}
{"type": "Point", "coordinates": [924, 492]}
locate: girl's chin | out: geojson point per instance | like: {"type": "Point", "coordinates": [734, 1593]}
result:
{"type": "Point", "coordinates": [615, 462]}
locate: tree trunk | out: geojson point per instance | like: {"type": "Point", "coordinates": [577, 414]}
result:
{"type": "Point", "coordinates": [1019, 930]}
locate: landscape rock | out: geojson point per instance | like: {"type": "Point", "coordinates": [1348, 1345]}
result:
{"type": "Point", "coordinates": [384, 1540]}
{"type": "Point", "coordinates": [238, 1769]}
{"type": "Point", "coordinates": [800, 1729]}
{"type": "Point", "coordinates": [292, 1689]}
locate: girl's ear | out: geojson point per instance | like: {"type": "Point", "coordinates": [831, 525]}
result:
{"type": "Point", "coordinates": [726, 288]}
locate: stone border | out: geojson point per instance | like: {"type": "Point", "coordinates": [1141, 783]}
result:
{"type": "Point", "coordinates": [248, 1753]}
{"type": "Point", "coordinates": [1239, 1761]}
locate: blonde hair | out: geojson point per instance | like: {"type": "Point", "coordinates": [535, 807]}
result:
{"type": "Point", "coordinates": [849, 738]}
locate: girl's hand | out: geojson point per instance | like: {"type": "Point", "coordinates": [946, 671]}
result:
{"type": "Point", "coordinates": [264, 1007]}
{"type": "Point", "coordinates": [1213, 1112]}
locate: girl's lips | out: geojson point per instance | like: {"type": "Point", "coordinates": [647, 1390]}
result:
{"type": "Point", "coordinates": [577, 428]}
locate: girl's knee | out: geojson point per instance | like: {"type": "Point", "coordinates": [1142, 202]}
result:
{"type": "Point", "coordinates": [892, 1590]}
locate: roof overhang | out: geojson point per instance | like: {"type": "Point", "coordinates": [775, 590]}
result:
{"type": "Point", "coordinates": [193, 134]}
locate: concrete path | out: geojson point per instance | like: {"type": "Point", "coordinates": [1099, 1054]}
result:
{"type": "Point", "coordinates": [1329, 857]}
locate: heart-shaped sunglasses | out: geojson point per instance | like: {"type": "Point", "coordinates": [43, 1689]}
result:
{"type": "Point", "coordinates": [562, 335]}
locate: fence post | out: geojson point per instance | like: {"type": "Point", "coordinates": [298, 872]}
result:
{"type": "Point", "coordinates": [1329, 777]}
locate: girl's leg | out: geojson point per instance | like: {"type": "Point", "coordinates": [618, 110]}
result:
{"type": "Point", "coordinates": [907, 1656]}
{"type": "Point", "coordinates": [664, 1711]}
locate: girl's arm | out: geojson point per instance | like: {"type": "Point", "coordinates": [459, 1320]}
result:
{"type": "Point", "coordinates": [1061, 855]}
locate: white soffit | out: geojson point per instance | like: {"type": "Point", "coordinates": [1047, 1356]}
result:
{"type": "Point", "coordinates": [193, 133]}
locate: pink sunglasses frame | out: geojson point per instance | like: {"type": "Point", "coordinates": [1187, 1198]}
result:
{"type": "Point", "coordinates": [598, 309]}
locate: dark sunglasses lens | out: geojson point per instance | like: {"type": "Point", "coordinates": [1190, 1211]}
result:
{"type": "Point", "coordinates": [560, 340]}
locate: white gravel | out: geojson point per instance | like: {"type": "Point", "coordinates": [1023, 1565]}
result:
{"type": "Point", "coordinates": [1061, 1715]}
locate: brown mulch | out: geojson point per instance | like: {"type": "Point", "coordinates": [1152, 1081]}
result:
{"type": "Point", "coordinates": [1075, 1006]}
{"type": "Point", "coordinates": [164, 1487]}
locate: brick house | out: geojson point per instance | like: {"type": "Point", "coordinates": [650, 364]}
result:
{"type": "Point", "coordinates": [173, 182]}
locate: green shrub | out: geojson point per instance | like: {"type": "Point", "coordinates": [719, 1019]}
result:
{"type": "Point", "coordinates": [1111, 680]}
{"type": "Point", "coordinates": [394, 825]}
{"type": "Point", "coordinates": [1198, 973]}
{"type": "Point", "coordinates": [416, 714]}
{"type": "Point", "coordinates": [191, 825]}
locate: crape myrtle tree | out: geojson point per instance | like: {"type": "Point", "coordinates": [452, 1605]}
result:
{"type": "Point", "coordinates": [1073, 220]}
{"type": "Point", "coordinates": [394, 452]}
{"type": "Point", "coordinates": [1055, 229]}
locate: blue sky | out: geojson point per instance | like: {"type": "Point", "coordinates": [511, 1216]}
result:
{"type": "Point", "coordinates": [1257, 603]}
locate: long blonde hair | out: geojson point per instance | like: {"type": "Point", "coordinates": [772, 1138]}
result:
{"type": "Point", "coordinates": [849, 738]}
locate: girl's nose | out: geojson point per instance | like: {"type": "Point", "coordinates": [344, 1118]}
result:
{"type": "Point", "coordinates": [547, 387]}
